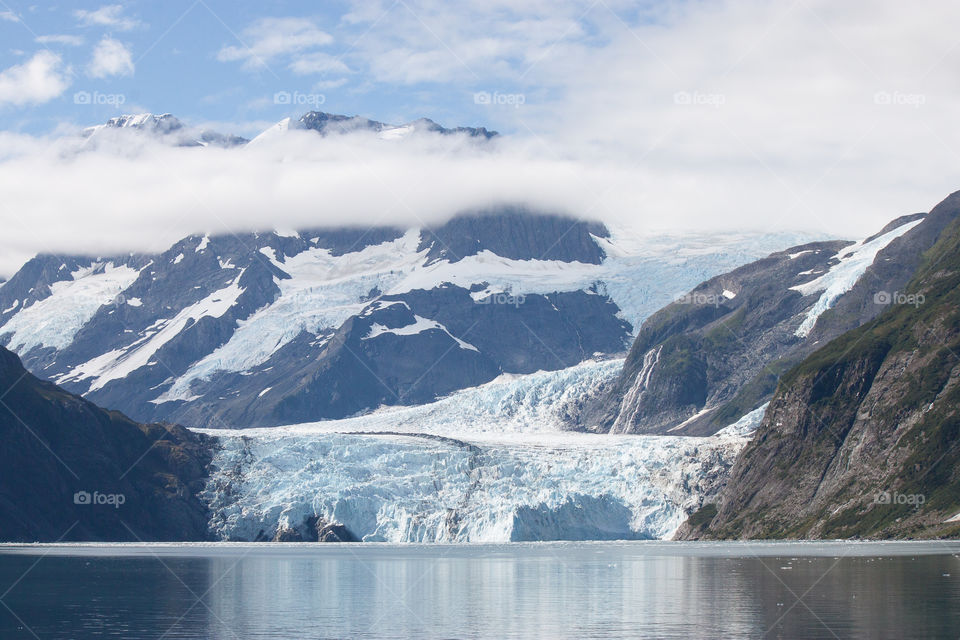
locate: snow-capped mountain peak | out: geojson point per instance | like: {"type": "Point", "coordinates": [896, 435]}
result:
{"type": "Point", "coordinates": [165, 127]}
{"type": "Point", "coordinates": [331, 124]}
{"type": "Point", "coordinates": [171, 130]}
{"type": "Point", "coordinates": [163, 123]}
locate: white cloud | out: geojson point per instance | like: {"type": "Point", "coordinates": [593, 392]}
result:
{"type": "Point", "coordinates": [138, 195]}
{"type": "Point", "coordinates": [9, 16]}
{"type": "Point", "coordinates": [710, 103]}
{"type": "Point", "coordinates": [716, 114]}
{"type": "Point", "coordinates": [110, 15]}
{"type": "Point", "coordinates": [424, 41]}
{"type": "Point", "coordinates": [270, 38]}
{"type": "Point", "coordinates": [40, 79]}
{"type": "Point", "coordinates": [59, 38]}
{"type": "Point", "coordinates": [110, 58]}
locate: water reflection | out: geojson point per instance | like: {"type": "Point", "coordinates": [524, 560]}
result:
{"type": "Point", "coordinates": [508, 591]}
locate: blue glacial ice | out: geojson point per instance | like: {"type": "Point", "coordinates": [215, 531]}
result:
{"type": "Point", "coordinates": [490, 464]}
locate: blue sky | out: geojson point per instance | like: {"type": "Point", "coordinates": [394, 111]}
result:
{"type": "Point", "coordinates": [225, 62]}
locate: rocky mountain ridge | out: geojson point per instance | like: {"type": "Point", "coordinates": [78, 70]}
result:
{"type": "Point", "coordinates": [861, 437]}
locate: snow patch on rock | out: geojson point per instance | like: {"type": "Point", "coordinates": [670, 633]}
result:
{"type": "Point", "coordinates": [55, 320]}
{"type": "Point", "coordinates": [852, 263]}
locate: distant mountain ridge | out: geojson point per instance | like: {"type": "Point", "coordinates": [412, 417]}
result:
{"type": "Point", "coordinates": [171, 130]}
{"type": "Point", "coordinates": [168, 128]}
{"type": "Point", "coordinates": [325, 123]}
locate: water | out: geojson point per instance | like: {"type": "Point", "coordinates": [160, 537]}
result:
{"type": "Point", "coordinates": [552, 590]}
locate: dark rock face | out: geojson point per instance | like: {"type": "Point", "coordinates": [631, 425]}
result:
{"type": "Point", "coordinates": [327, 532]}
{"type": "Point", "coordinates": [717, 353]}
{"type": "Point", "coordinates": [861, 438]}
{"type": "Point", "coordinates": [348, 240]}
{"type": "Point", "coordinates": [314, 529]}
{"type": "Point", "coordinates": [515, 233]}
{"type": "Point", "coordinates": [72, 471]}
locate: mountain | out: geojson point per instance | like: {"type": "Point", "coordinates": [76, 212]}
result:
{"type": "Point", "coordinates": [169, 129]}
{"type": "Point", "coordinates": [860, 439]}
{"type": "Point", "coordinates": [716, 353]}
{"type": "Point", "coordinates": [331, 124]}
{"type": "Point", "coordinates": [165, 127]}
{"type": "Point", "coordinates": [262, 329]}
{"type": "Point", "coordinates": [72, 471]}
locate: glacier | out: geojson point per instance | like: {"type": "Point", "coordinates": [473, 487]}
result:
{"type": "Point", "coordinates": [488, 464]}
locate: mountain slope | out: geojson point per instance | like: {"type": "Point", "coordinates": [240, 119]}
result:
{"type": "Point", "coordinates": [56, 445]}
{"type": "Point", "coordinates": [861, 438]}
{"type": "Point", "coordinates": [715, 354]}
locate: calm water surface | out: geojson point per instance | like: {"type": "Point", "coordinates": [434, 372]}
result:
{"type": "Point", "coordinates": [556, 590]}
